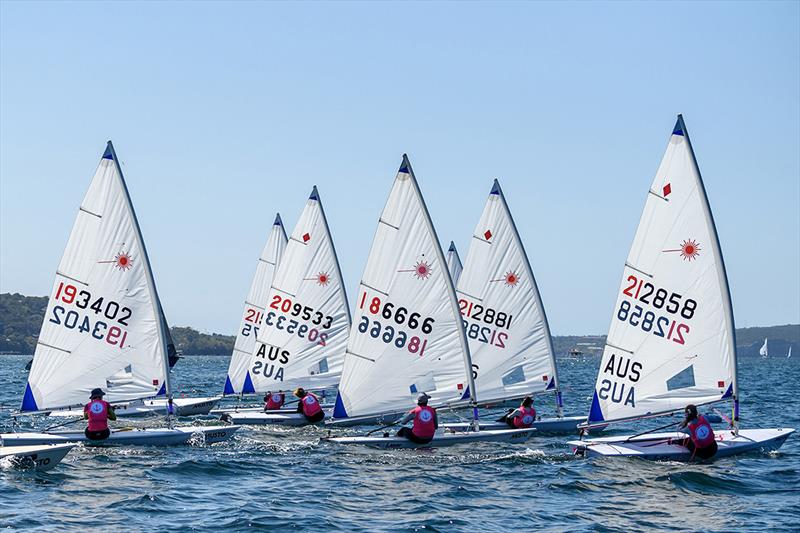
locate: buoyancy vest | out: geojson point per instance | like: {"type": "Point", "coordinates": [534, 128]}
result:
{"type": "Point", "coordinates": [526, 419]}
{"type": "Point", "coordinates": [311, 404]}
{"type": "Point", "coordinates": [98, 414]}
{"type": "Point", "coordinates": [424, 421]}
{"type": "Point", "coordinates": [700, 432]}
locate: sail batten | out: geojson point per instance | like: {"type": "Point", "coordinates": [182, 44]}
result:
{"type": "Point", "coordinates": [254, 310]}
{"type": "Point", "coordinates": [104, 326]}
{"type": "Point", "coordinates": [673, 311]}
{"type": "Point", "coordinates": [407, 337]}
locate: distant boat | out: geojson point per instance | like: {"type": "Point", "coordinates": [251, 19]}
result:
{"type": "Point", "coordinates": [790, 353]}
{"type": "Point", "coordinates": [764, 351]}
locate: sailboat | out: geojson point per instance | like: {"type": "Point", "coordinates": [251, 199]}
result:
{"type": "Point", "coordinates": [40, 458]}
{"type": "Point", "coordinates": [672, 338]}
{"type": "Point", "coordinates": [454, 265]}
{"type": "Point", "coordinates": [509, 337]}
{"type": "Point", "coordinates": [407, 336]}
{"type": "Point", "coordinates": [238, 380]}
{"type": "Point", "coordinates": [304, 329]}
{"type": "Point", "coordinates": [789, 355]}
{"type": "Point", "coordinates": [104, 325]}
{"type": "Point", "coordinates": [764, 350]}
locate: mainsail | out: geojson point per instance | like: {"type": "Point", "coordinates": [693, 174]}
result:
{"type": "Point", "coordinates": [764, 351]}
{"type": "Point", "coordinates": [103, 326]}
{"type": "Point", "coordinates": [509, 338]}
{"type": "Point", "coordinates": [671, 340]}
{"type": "Point", "coordinates": [454, 262]}
{"type": "Point", "coordinates": [304, 330]}
{"type": "Point", "coordinates": [238, 380]}
{"type": "Point", "coordinates": [407, 336]}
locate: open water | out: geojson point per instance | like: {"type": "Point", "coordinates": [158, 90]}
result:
{"type": "Point", "coordinates": [281, 479]}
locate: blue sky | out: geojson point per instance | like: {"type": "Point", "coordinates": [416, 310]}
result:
{"type": "Point", "coordinates": [224, 113]}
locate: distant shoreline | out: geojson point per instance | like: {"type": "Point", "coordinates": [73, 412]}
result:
{"type": "Point", "coordinates": [21, 317]}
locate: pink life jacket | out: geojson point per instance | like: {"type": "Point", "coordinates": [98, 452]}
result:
{"type": "Point", "coordinates": [527, 418]}
{"type": "Point", "coordinates": [275, 401]}
{"type": "Point", "coordinates": [311, 405]}
{"type": "Point", "coordinates": [700, 432]}
{"type": "Point", "coordinates": [98, 414]}
{"type": "Point", "coordinates": [424, 425]}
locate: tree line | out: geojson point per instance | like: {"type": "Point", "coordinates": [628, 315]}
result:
{"type": "Point", "coordinates": [21, 317]}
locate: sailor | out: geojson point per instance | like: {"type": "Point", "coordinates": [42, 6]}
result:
{"type": "Point", "coordinates": [309, 406]}
{"type": "Point", "coordinates": [98, 412]}
{"type": "Point", "coordinates": [523, 416]}
{"type": "Point", "coordinates": [701, 440]}
{"type": "Point", "coordinates": [424, 423]}
{"type": "Point", "coordinates": [273, 401]}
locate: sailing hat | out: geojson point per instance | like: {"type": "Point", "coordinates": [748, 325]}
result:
{"type": "Point", "coordinates": [422, 399]}
{"type": "Point", "coordinates": [97, 393]}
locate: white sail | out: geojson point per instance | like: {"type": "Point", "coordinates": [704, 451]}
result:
{"type": "Point", "coordinates": [454, 262]}
{"type": "Point", "coordinates": [407, 335]}
{"type": "Point", "coordinates": [505, 321]}
{"type": "Point", "coordinates": [303, 334]}
{"type": "Point", "coordinates": [764, 351]}
{"type": "Point", "coordinates": [103, 326]}
{"type": "Point", "coordinates": [671, 340]}
{"type": "Point", "coordinates": [790, 353]}
{"type": "Point", "coordinates": [238, 380]}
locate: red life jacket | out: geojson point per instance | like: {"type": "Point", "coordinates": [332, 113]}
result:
{"type": "Point", "coordinates": [526, 419]}
{"type": "Point", "coordinates": [700, 432]}
{"type": "Point", "coordinates": [98, 414]}
{"type": "Point", "coordinates": [424, 421]}
{"type": "Point", "coordinates": [275, 401]}
{"type": "Point", "coordinates": [311, 405]}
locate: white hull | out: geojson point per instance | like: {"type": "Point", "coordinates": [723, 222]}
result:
{"type": "Point", "coordinates": [260, 409]}
{"type": "Point", "coordinates": [34, 457]}
{"type": "Point", "coordinates": [440, 440]}
{"type": "Point", "coordinates": [121, 437]}
{"type": "Point", "coordinates": [568, 424]}
{"type": "Point", "coordinates": [259, 418]}
{"type": "Point", "coordinates": [184, 406]}
{"type": "Point", "coordinates": [366, 420]}
{"type": "Point", "coordinates": [667, 447]}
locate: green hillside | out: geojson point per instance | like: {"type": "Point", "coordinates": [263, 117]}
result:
{"type": "Point", "coordinates": [21, 317]}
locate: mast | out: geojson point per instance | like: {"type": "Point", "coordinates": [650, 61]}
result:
{"type": "Point", "coordinates": [451, 291]}
{"type": "Point", "coordinates": [529, 271]}
{"type": "Point", "coordinates": [726, 300]}
{"type": "Point", "coordinates": [151, 284]}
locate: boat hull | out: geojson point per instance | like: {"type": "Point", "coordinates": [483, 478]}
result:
{"type": "Point", "coordinates": [367, 420]}
{"type": "Point", "coordinates": [667, 446]}
{"type": "Point", "coordinates": [126, 437]}
{"type": "Point", "coordinates": [563, 425]}
{"type": "Point", "coordinates": [441, 440]}
{"type": "Point", "coordinates": [184, 407]}
{"type": "Point", "coordinates": [40, 458]}
{"type": "Point", "coordinates": [283, 418]}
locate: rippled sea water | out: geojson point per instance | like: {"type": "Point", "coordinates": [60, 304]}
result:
{"type": "Point", "coordinates": [284, 479]}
